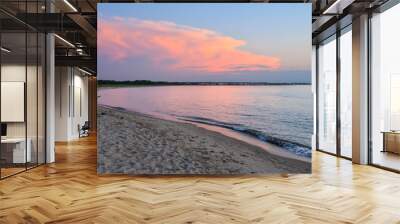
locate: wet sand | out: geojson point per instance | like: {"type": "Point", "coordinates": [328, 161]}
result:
{"type": "Point", "coordinates": [138, 144]}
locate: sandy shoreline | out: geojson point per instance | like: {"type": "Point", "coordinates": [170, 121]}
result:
{"type": "Point", "coordinates": [136, 144]}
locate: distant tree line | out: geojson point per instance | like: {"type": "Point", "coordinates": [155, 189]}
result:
{"type": "Point", "coordinates": [163, 83]}
{"type": "Point", "coordinates": [128, 82]}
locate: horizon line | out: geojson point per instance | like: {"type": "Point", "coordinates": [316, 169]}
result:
{"type": "Point", "coordinates": [196, 82]}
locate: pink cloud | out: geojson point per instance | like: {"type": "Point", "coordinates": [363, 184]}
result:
{"type": "Point", "coordinates": [178, 47]}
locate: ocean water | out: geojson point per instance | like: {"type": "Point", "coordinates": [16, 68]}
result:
{"type": "Point", "coordinates": [280, 115]}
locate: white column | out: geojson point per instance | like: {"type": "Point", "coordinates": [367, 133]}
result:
{"type": "Point", "coordinates": [360, 90]}
{"type": "Point", "coordinates": [50, 92]}
{"type": "Point", "coordinates": [50, 98]}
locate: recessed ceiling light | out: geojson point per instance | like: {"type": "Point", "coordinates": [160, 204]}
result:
{"type": "Point", "coordinates": [338, 6]}
{"type": "Point", "coordinates": [84, 71]}
{"type": "Point", "coordinates": [70, 5]}
{"type": "Point", "coordinates": [64, 40]}
{"type": "Point", "coordinates": [5, 50]}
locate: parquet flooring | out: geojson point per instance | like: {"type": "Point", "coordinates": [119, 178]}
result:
{"type": "Point", "coordinates": [69, 191]}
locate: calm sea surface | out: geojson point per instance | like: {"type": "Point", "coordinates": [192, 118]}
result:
{"type": "Point", "coordinates": [281, 115]}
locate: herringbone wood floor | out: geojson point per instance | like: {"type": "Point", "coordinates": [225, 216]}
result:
{"type": "Point", "coordinates": [70, 191]}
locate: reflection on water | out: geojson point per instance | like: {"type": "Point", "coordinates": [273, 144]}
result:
{"type": "Point", "coordinates": [281, 115]}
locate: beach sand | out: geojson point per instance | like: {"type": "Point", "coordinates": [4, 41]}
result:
{"type": "Point", "coordinates": [137, 144]}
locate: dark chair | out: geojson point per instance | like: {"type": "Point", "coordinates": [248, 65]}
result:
{"type": "Point", "coordinates": [84, 130]}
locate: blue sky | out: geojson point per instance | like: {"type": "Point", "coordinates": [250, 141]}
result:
{"type": "Point", "coordinates": [259, 32]}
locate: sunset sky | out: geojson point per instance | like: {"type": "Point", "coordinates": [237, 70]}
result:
{"type": "Point", "coordinates": [204, 42]}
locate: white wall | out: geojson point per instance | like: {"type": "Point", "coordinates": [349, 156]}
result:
{"type": "Point", "coordinates": [62, 81]}
{"type": "Point", "coordinates": [14, 72]}
{"type": "Point", "coordinates": [17, 72]}
{"type": "Point", "coordinates": [13, 101]}
{"type": "Point", "coordinates": [70, 84]}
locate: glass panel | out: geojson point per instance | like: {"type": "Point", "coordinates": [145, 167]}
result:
{"type": "Point", "coordinates": [41, 98]}
{"type": "Point", "coordinates": [32, 88]}
{"type": "Point", "coordinates": [327, 96]}
{"type": "Point", "coordinates": [23, 90]}
{"type": "Point", "coordinates": [13, 88]}
{"type": "Point", "coordinates": [346, 93]}
{"type": "Point", "coordinates": [31, 97]}
{"type": "Point", "coordinates": [385, 84]}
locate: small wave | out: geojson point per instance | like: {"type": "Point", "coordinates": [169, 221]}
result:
{"type": "Point", "coordinates": [119, 108]}
{"type": "Point", "coordinates": [244, 115]}
{"type": "Point", "coordinates": [293, 147]}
